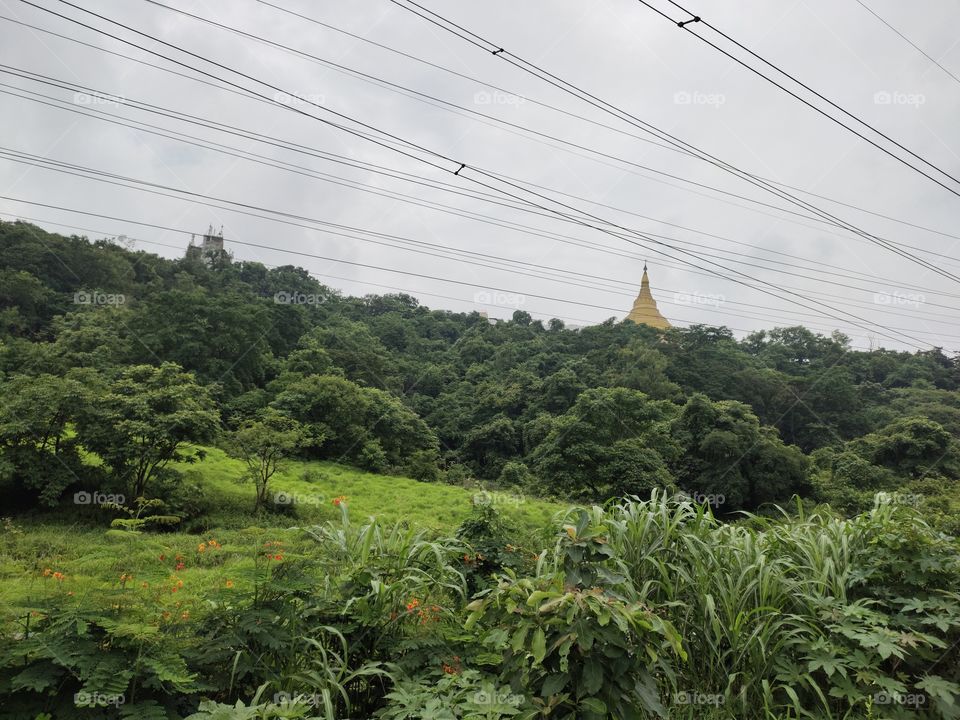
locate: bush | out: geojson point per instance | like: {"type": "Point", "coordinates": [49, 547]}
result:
{"type": "Point", "coordinates": [491, 550]}
{"type": "Point", "coordinates": [183, 495]}
{"type": "Point", "coordinates": [460, 475]}
{"type": "Point", "coordinates": [515, 474]}
{"type": "Point", "coordinates": [422, 465]}
{"type": "Point", "coordinates": [372, 457]}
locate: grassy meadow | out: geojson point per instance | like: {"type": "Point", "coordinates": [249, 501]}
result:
{"type": "Point", "coordinates": [76, 540]}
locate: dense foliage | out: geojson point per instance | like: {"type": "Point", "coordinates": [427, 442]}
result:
{"type": "Point", "coordinates": [676, 588]}
{"type": "Point", "coordinates": [638, 610]}
{"type": "Point", "coordinates": [104, 349]}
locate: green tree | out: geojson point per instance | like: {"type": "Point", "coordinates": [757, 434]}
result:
{"type": "Point", "coordinates": [612, 442]}
{"type": "Point", "coordinates": [911, 447]}
{"type": "Point", "coordinates": [725, 451]}
{"type": "Point", "coordinates": [36, 450]}
{"type": "Point", "coordinates": [334, 410]}
{"type": "Point", "coordinates": [145, 419]}
{"type": "Point", "coordinates": [263, 444]}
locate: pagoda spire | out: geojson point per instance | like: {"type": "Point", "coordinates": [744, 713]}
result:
{"type": "Point", "coordinates": [645, 307]}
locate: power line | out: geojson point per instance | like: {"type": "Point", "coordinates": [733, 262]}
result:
{"type": "Point", "coordinates": [247, 94]}
{"type": "Point", "coordinates": [460, 110]}
{"type": "Point", "coordinates": [286, 144]}
{"type": "Point", "coordinates": [330, 232]}
{"type": "Point", "coordinates": [392, 85]}
{"type": "Point", "coordinates": [58, 166]}
{"type": "Point", "coordinates": [908, 40]}
{"type": "Point", "coordinates": [570, 88]}
{"type": "Point", "coordinates": [338, 180]}
{"type": "Point", "coordinates": [525, 98]}
{"type": "Point", "coordinates": [685, 25]}
{"type": "Point", "coordinates": [407, 145]}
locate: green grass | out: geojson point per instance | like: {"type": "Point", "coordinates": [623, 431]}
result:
{"type": "Point", "coordinates": [75, 540]}
{"type": "Point", "coordinates": [314, 485]}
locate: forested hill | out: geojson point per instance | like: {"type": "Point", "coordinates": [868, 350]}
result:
{"type": "Point", "coordinates": [388, 384]}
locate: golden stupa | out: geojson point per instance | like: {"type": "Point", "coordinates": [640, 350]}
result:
{"type": "Point", "coordinates": [645, 307]}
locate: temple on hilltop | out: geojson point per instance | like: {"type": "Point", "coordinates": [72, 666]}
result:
{"type": "Point", "coordinates": [645, 307]}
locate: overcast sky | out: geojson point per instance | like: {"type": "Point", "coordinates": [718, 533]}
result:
{"type": "Point", "coordinates": [617, 50]}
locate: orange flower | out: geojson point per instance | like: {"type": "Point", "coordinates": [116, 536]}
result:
{"type": "Point", "coordinates": [185, 615]}
{"type": "Point", "coordinates": [58, 576]}
{"type": "Point", "coordinates": [412, 604]}
{"type": "Point", "coordinates": [179, 583]}
{"type": "Point", "coordinates": [452, 669]}
{"type": "Point", "coordinates": [278, 557]}
{"type": "Point", "coordinates": [180, 566]}
{"type": "Point", "coordinates": [46, 572]}
{"type": "Point", "coordinates": [340, 499]}
{"type": "Point", "coordinates": [229, 583]}
{"type": "Point", "coordinates": [162, 557]}
{"type": "Point", "coordinates": [202, 547]}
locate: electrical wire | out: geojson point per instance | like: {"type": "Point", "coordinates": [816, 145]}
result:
{"type": "Point", "coordinates": [570, 88]}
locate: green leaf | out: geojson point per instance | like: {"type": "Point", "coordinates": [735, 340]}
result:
{"type": "Point", "coordinates": [943, 690]}
{"type": "Point", "coordinates": [592, 679]}
{"type": "Point", "coordinates": [539, 646]}
{"type": "Point", "coordinates": [594, 705]}
{"type": "Point", "coordinates": [516, 643]}
{"type": "Point", "coordinates": [554, 684]}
